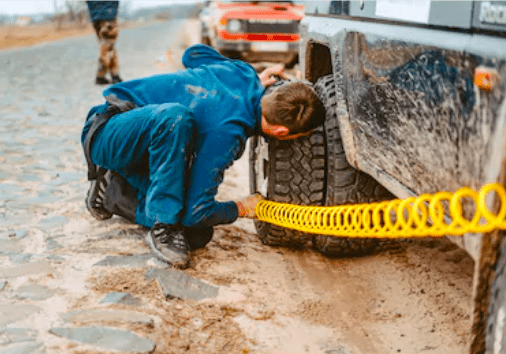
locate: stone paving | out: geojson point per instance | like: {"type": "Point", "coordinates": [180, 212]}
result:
{"type": "Point", "coordinates": [49, 244]}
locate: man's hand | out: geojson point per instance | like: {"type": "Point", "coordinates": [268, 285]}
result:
{"type": "Point", "coordinates": [272, 74]}
{"type": "Point", "coordinates": [275, 73]}
{"type": "Point", "coordinates": [246, 206]}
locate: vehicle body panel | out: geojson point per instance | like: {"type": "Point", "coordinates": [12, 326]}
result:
{"type": "Point", "coordinates": [415, 120]}
{"type": "Point", "coordinates": [490, 15]}
{"type": "Point", "coordinates": [434, 13]}
{"type": "Point", "coordinates": [487, 15]}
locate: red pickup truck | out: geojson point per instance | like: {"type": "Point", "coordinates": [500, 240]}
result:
{"type": "Point", "coordinates": [254, 30]}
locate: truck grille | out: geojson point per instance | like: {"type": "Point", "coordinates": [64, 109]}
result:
{"type": "Point", "coordinates": [272, 27]}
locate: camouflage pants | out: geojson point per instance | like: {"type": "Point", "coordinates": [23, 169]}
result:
{"type": "Point", "coordinates": [107, 32]}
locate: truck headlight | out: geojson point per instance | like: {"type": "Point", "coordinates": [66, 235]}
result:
{"type": "Point", "coordinates": [234, 26]}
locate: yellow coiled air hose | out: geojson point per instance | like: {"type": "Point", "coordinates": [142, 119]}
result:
{"type": "Point", "coordinates": [422, 216]}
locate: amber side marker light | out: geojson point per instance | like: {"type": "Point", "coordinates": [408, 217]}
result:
{"type": "Point", "coordinates": [223, 22]}
{"type": "Point", "coordinates": [486, 78]}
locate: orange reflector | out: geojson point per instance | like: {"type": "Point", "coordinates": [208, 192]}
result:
{"type": "Point", "coordinates": [223, 21]}
{"type": "Point", "coordinates": [486, 78]}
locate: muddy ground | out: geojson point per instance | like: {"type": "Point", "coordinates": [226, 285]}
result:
{"type": "Point", "coordinates": [55, 259]}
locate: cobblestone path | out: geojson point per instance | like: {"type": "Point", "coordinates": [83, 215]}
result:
{"type": "Point", "coordinates": [49, 244]}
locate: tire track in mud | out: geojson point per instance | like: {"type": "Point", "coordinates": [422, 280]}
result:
{"type": "Point", "coordinates": [392, 302]}
{"type": "Point", "coordinates": [342, 300]}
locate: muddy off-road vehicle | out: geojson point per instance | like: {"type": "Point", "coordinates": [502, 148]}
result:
{"type": "Point", "coordinates": [415, 100]}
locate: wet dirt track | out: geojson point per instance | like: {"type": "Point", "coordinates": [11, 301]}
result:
{"type": "Point", "coordinates": [61, 270]}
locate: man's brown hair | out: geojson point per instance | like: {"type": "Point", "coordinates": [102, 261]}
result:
{"type": "Point", "coordinates": [294, 105]}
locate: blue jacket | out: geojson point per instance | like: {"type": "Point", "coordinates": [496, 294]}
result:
{"type": "Point", "coordinates": [103, 10]}
{"type": "Point", "coordinates": [223, 96]}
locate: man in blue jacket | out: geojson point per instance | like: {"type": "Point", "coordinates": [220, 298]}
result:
{"type": "Point", "coordinates": [172, 136]}
{"type": "Point", "coordinates": [103, 15]}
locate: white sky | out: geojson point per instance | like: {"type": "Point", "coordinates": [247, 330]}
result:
{"type": "Point", "coordinates": [31, 7]}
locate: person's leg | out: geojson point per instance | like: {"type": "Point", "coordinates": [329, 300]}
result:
{"type": "Point", "coordinates": [114, 63]}
{"type": "Point", "coordinates": [119, 198]}
{"type": "Point", "coordinates": [96, 26]}
{"type": "Point", "coordinates": [102, 69]}
{"type": "Point", "coordinates": [108, 61]}
{"type": "Point", "coordinates": [198, 237]}
{"type": "Point", "coordinates": [150, 147]}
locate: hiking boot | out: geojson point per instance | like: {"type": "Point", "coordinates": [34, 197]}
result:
{"type": "Point", "coordinates": [102, 81]}
{"type": "Point", "coordinates": [116, 79]}
{"type": "Point", "coordinates": [95, 197]}
{"type": "Point", "coordinates": [169, 244]}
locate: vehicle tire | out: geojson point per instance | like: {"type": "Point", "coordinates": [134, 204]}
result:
{"type": "Point", "coordinates": [288, 172]}
{"type": "Point", "coordinates": [345, 184]}
{"type": "Point", "coordinates": [495, 341]}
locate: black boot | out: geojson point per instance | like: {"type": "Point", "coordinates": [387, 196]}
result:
{"type": "Point", "coordinates": [116, 79]}
{"type": "Point", "coordinates": [95, 197]}
{"type": "Point", "coordinates": [102, 81]}
{"type": "Point", "coordinates": [169, 244]}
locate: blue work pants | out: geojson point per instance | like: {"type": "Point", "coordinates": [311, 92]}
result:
{"type": "Point", "coordinates": [150, 147]}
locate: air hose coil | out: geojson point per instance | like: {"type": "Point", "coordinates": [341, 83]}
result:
{"type": "Point", "coordinates": [429, 215]}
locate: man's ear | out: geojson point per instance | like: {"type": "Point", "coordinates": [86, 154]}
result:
{"type": "Point", "coordinates": [280, 130]}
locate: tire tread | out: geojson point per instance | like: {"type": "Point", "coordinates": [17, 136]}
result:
{"type": "Point", "coordinates": [345, 184]}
